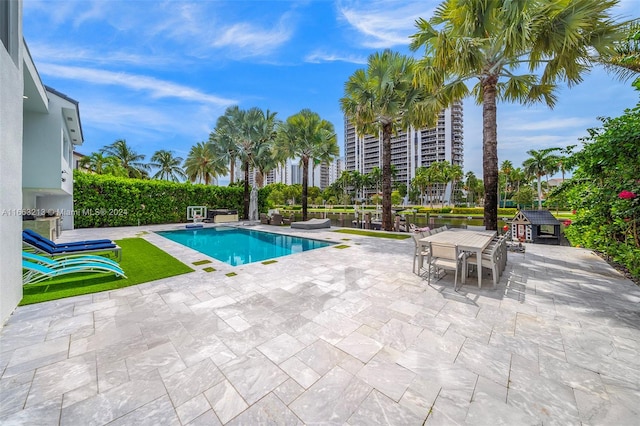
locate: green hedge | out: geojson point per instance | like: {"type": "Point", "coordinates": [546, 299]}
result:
{"type": "Point", "coordinates": [101, 200]}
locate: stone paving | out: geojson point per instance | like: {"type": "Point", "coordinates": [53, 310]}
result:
{"type": "Point", "coordinates": [332, 336]}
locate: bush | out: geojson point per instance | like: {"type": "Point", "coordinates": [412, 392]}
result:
{"type": "Point", "coordinates": [101, 200]}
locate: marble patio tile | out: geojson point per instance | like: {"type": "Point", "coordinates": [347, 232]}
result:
{"type": "Point", "coordinates": [485, 409]}
{"type": "Point", "coordinates": [379, 409]}
{"type": "Point", "coordinates": [546, 399]}
{"type": "Point", "coordinates": [193, 350]}
{"type": "Point", "coordinates": [300, 372]}
{"type": "Point", "coordinates": [96, 306]}
{"type": "Point", "coordinates": [332, 399]}
{"type": "Point", "coordinates": [37, 355]}
{"type": "Point", "coordinates": [515, 345]}
{"type": "Point", "coordinates": [69, 325]}
{"type": "Point", "coordinates": [57, 379]}
{"type": "Point", "coordinates": [44, 414]}
{"type": "Point", "coordinates": [245, 341]}
{"type": "Point", "coordinates": [12, 399]}
{"type": "Point", "coordinates": [321, 356]}
{"type": "Point", "coordinates": [238, 323]}
{"type": "Point", "coordinates": [619, 407]}
{"type": "Point", "coordinates": [337, 323]}
{"type": "Point", "coordinates": [157, 412]}
{"type": "Point", "coordinates": [360, 346]}
{"type": "Point", "coordinates": [112, 374]}
{"type": "Point", "coordinates": [207, 419]}
{"type": "Point", "coordinates": [108, 336]}
{"type": "Point", "coordinates": [389, 378]}
{"type": "Point", "coordinates": [420, 396]}
{"type": "Point", "coordinates": [225, 400]}
{"type": "Point", "coordinates": [281, 348]}
{"type": "Point", "coordinates": [209, 305]}
{"type": "Point", "coordinates": [193, 408]}
{"type": "Point", "coordinates": [288, 391]}
{"type": "Point", "coordinates": [397, 334]}
{"type": "Point", "coordinates": [429, 321]}
{"type": "Point", "coordinates": [450, 408]}
{"type": "Point", "coordinates": [571, 375]}
{"type": "Point", "coordinates": [485, 361]}
{"type": "Point", "coordinates": [112, 404]}
{"type": "Point", "coordinates": [253, 375]}
{"type": "Point", "coordinates": [406, 308]}
{"type": "Point", "coordinates": [187, 384]}
{"type": "Point", "coordinates": [269, 410]}
{"type": "Point", "coordinates": [540, 331]}
{"type": "Point", "coordinates": [80, 394]}
{"type": "Point", "coordinates": [164, 358]}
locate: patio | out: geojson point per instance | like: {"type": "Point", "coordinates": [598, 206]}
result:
{"type": "Point", "coordinates": [334, 336]}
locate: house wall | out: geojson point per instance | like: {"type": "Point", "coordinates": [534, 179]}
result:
{"type": "Point", "coordinates": [11, 101]}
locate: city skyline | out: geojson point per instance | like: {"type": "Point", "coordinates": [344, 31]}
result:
{"type": "Point", "coordinates": [160, 76]}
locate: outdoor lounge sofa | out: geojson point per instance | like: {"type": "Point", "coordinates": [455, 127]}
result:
{"type": "Point", "coordinates": [312, 224]}
{"type": "Point", "coordinates": [45, 246]}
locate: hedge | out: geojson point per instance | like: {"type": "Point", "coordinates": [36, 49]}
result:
{"type": "Point", "coordinates": [104, 201]}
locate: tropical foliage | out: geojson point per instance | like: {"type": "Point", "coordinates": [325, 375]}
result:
{"type": "Point", "coordinates": [127, 158]}
{"type": "Point", "coordinates": [515, 51]}
{"type": "Point", "coordinates": [308, 137]}
{"type": "Point", "coordinates": [383, 99]}
{"type": "Point", "coordinates": [204, 164]}
{"type": "Point", "coordinates": [605, 191]}
{"type": "Point", "coordinates": [169, 166]}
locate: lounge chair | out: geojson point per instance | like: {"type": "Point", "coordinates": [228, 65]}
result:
{"type": "Point", "coordinates": [312, 224]}
{"type": "Point", "coordinates": [35, 272]}
{"type": "Point", "coordinates": [276, 219]}
{"type": "Point", "coordinates": [61, 262]}
{"type": "Point", "coordinates": [45, 246]}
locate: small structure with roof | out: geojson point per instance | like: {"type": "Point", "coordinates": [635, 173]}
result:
{"type": "Point", "coordinates": [536, 226]}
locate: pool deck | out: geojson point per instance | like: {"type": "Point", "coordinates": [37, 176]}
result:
{"type": "Point", "coordinates": [331, 336]}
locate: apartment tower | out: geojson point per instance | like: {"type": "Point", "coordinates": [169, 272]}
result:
{"type": "Point", "coordinates": [410, 149]}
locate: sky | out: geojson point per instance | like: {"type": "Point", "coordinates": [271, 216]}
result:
{"type": "Point", "coordinates": [160, 73]}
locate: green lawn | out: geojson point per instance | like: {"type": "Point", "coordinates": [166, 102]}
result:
{"type": "Point", "coordinates": [141, 261]}
{"type": "Point", "coordinates": [373, 234]}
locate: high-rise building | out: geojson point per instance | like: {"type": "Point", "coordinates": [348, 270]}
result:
{"type": "Point", "coordinates": [410, 149]}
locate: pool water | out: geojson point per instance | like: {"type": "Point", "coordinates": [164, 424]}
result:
{"type": "Point", "coordinates": [239, 246]}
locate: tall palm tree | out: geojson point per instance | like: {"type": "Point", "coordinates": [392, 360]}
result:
{"type": "Point", "coordinates": [455, 175]}
{"type": "Point", "coordinates": [226, 146]}
{"type": "Point", "coordinates": [489, 40]}
{"type": "Point", "coordinates": [169, 167]}
{"type": "Point", "coordinates": [384, 99]}
{"type": "Point", "coordinates": [538, 165]}
{"type": "Point", "coordinates": [204, 164]}
{"type": "Point", "coordinates": [94, 163]}
{"type": "Point", "coordinates": [505, 168]}
{"type": "Point", "coordinates": [128, 158]}
{"type": "Point", "coordinates": [307, 136]}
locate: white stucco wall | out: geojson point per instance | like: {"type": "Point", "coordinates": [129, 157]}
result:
{"type": "Point", "coordinates": [11, 91]}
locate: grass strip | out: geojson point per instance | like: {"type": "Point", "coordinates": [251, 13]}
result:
{"type": "Point", "coordinates": [200, 262]}
{"type": "Point", "coordinates": [373, 234]}
{"type": "Point", "coordinates": [231, 274]}
{"type": "Point", "coordinates": [268, 262]}
{"type": "Point", "coordinates": [209, 269]}
{"type": "Point", "coordinates": [141, 261]}
{"type": "Point", "coordinates": [341, 246]}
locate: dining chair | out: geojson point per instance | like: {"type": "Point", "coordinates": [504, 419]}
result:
{"type": "Point", "coordinates": [420, 252]}
{"type": "Point", "coordinates": [490, 260]}
{"type": "Point", "coordinates": [444, 257]}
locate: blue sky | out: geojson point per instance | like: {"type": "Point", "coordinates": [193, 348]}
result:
{"type": "Point", "coordinates": [160, 73]}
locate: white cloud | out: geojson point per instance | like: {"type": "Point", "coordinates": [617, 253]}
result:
{"type": "Point", "coordinates": [73, 53]}
{"type": "Point", "coordinates": [547, 124]}
{"type": "Point", "coordinates": [252, 40]}
{"type": "Point", "coordinates": [385, 23]}
{"type": "Point", "coordinates": [157, 88]}
{"type": "Point", "coordinates": [320, 56]}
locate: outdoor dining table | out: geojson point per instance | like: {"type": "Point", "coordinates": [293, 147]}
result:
{"type": "Point", "coordinates": [466, 239]}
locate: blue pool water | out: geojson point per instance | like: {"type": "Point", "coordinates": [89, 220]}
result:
{"type": "Point", "coordinates": [238, 246]}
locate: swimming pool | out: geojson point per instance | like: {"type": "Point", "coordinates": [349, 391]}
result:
{"type": "Point", "coordinates": [239, 246]}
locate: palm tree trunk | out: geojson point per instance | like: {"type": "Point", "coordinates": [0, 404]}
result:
{"type": "Point", "coordinates": [245, 214]}
{"type": "Point", "coordinates": [387, 224]}
{"type": "Point", "coordinates": [490, 152]}
{"type": "Point", "coordinates": [232, 169]}
{"type": "Point", "coordinates": [305, 185]}
{"type": "Point", "coordinates": [539, 193]}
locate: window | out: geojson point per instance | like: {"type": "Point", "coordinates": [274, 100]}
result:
{"type": "Point", "coordinates": [547, 230]}
{"type": "Point", "coordinates": [9, 27]}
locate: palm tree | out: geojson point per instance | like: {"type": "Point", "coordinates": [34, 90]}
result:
{"type": "Point", "coordinates": [455, 175]}
{"type": "Point", "coordinates": [383, 99]}
{"type": "Point", "coordinates": [204, 164]}
{"type": "Point", "coordinates": [538, 165]}
{"type": "Point", "coordinates": [168, 166]}
{"type": "Point", "coordinates": [505, 168]}
{"type": "Point", "coordinates": [128, 158]}
{"type": "Point", "coordinates": [94, 163]}
{"type": "Point", "coordinates": [307, 136]}
{"type": "Point", "coordinates": [488, 41]}
{"type": "Point", "coordinates": [226, 146]}
{"type": "Point", "coordinates": [470, 185]}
